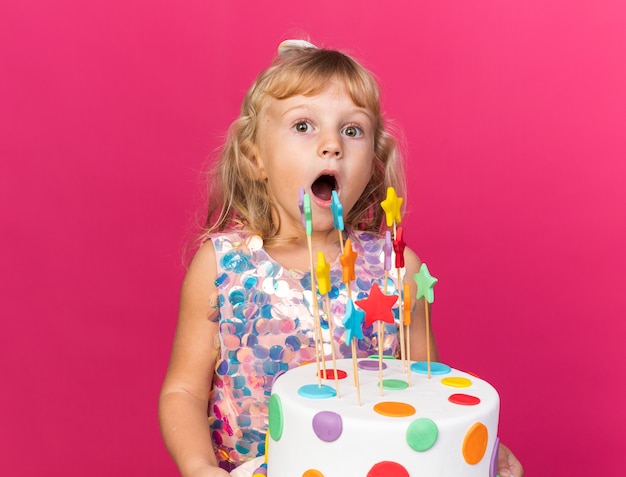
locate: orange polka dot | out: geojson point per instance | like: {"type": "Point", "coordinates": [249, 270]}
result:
{"type": "Point", "coordinates": [394, 409]}
{"type": "Point", "coordinates": [475, 443]}
{"type": "Point", "coordinates": [312, 473]}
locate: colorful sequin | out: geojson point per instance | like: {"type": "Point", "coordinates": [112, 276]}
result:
{"type": "Point", "coordinates": [266, 327]}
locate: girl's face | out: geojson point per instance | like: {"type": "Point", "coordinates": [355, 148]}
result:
{"type": "Point", "coordinates": [320, 143]}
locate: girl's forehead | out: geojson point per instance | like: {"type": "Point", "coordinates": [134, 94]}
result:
{"type": "Point", "coordinates": [333, 92]}
{"type": "Point", "coordinates": [326, 102]}
{"type": "Point", "coordinates": [361, 88]}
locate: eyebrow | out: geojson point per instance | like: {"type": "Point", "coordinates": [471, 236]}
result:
{"type": "Point", "coordinates": [356, 110]}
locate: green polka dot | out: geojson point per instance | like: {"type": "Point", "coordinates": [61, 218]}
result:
{"type": "Point", "coordinates": [422, 434]}
{"type": "Point", "coordinates": [275, 417]}
{"type": "Point", "coordinates": [394, 384]}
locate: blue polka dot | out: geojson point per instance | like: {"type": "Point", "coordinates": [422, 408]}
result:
{"type": "Point", "coordinates": [293, 343]}
{"type": "Point", "coordinates": [251, 340]}
{"type": "Point", "coordinates": [222, 368]}
{"type": "Point", "coordinates": [271, 367]}
{"type": "Point", "coordinates": [436, 368]}
{"type": "Point", "coordinates": [276, 352]}
{"type": "Point", "coordinates": [250, 282]}
{"type": "Point", "coordinates": [236, 296]}
{"type": "Point", "coordinates": [260, 352]}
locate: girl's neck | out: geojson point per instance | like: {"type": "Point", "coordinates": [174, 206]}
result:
{"type": "Point", "coordinates": [294, 253]}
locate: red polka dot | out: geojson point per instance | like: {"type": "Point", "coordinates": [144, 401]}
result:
{"type": "Point", "coordinates": [464, 399]}
{"type": "Point", "coordinates": [330, 374]}
{"type": "Point", "coordinates": [388, 469]}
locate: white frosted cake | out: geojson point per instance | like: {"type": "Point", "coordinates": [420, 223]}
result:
{"type": "Point", "coordinates": [444, 426]}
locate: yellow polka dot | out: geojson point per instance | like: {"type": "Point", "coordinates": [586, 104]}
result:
{"type": "Point", "coordinates": [475, 443]}
{"type": "Point", "coordinates": [456, 382]}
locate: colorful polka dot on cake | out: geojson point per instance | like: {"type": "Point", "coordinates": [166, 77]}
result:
{"type": "Point", "coordinates": [388, 469]}
{"type": "Point", "coordinates": [422, 434]}
{"type": "Point", "coordinates": [464, 399]}
{"type": "Point", "coordinates": [428, 428]}
{"type": "Point", "coordinates": [436, 368]}
{"type": "Point", "coordinates": [456, 382]}
{"type": "Point", "coordinates": [327, 425]}
{"type": "Point", "coordinates": [475, 443]}
{"type": "Point", "coordinates": [329, 373]}
{"type": "Point", "coordinates": [395, 384]}
{"type": "Point", "coordinates": [370, 365]}
{"type": "Point", "coordinates": [394, 409]}
{"type": "Point", "coordinates": [312, 473]}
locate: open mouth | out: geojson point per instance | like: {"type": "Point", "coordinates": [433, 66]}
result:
{"type": "Point", "coordinates": [324, 186]}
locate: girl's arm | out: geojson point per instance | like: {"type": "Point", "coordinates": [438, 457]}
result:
{"type": "Point", "coordinates": [184, 396]}
{"type": "Point", "coordinates": [418, 315]}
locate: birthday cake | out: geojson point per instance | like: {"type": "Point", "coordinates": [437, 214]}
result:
{"type": "Point", "coordinates": [444, 425]}
{"type": "Point", "coordinates": [379, 417]}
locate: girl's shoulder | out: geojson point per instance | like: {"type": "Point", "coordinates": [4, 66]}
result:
{"type": "Point", "coordinates": [228, 239]}
{"type": "Point", "coordinates": [237, 250]}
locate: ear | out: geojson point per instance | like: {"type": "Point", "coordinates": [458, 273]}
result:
{"type": "Point", "coordinates": [257, 161]}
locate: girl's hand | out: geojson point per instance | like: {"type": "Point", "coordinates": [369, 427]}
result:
{"type": "Point", "coordinates": [508, 465]}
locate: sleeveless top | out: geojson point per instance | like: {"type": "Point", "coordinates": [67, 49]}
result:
{"type": "Point", "coordinates": [266, 327]}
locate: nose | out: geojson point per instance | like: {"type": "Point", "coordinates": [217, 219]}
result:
{"type": "Point", "coordinates": [330, 146]}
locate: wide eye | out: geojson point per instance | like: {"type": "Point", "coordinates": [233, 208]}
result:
{"type": "Point", "coordinates": [352, 131]}
{"type": "Point", "coordinates": [302, 126]}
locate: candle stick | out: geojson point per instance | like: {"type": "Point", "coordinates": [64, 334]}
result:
{"type": "Point", "coordinates": [407, 322]}
{"type": "Point", "coordinates": [425, 283]}
{"type": "Point", "coordinates": [387, 248]}
{"type": "Point", "coordinates": [348, 259]}
{"type": "Point", "coordinates": [392, 205]}
{"type": "Point", "coordinates": [353, 318]}
{"type": "Point", "coordinates": [337, 209]}
{"type": "Point", "coordinates": [307, 222]}
{"type": "Point", "coordinates": [353, 322]}
{"type": "Point", "coordinates": [323, 284]}
{"type": "Point", "coordinates": [377, 307]}
{"type": "Point", "coordinates": [398, 247]}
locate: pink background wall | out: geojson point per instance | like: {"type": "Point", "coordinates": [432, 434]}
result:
{"type": "Point", "coordinates": [515, 120]}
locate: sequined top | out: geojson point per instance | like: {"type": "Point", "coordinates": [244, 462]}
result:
{"type": "Point", "coordinates": [266, 327]}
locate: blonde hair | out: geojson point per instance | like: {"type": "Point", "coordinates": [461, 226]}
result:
{"type": "Point", "coordinates": [238, 199]}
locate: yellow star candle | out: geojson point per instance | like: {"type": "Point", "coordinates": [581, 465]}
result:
{"type": "Point", "coordinates": [323, 274]}
{"type": "Point", "coordinates": [323, 284]}
{"type": "Point", "coordinates": [392, 205]}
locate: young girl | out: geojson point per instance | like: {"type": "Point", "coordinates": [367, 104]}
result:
{"type": "Point", "coordinates": [310, 121]}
